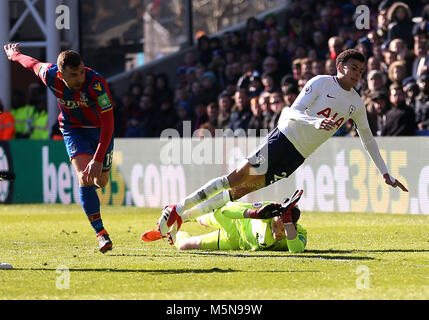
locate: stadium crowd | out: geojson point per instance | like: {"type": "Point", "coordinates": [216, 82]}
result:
{"type": "Point", "coordinates": [244, 79]}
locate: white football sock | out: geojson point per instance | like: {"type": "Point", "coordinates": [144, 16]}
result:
{"type": "Point", "coordinates": [207, 206]}
{"type": "Point", "coordinates": [209, 190]}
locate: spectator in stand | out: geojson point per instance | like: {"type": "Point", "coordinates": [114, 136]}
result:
{"type": "Point", "coordinates": [335, 46]}
{"type": "Point", "coordinates": [135, 78]}
{"type": "Point", "coordinates": [290, 93]}
{"type": "Point", "coordinates": [200, 116]}
{"type": "Point", "coordinates": [225, 105]}
{"type": "Point", "coordinates": [23, 114]}
{"type": "Point", "coordinates": [123, 112]}
{"type": "Point", "coordinates": [166, 117]}
{"type": "Point", "coordinates": [183, 116]}
{"type": "Point", "coordinates": [39, 127]}
{"type": "Point", "coordinates": [377, 52]}
{"type": "Point", "coordinates": [411, 91]}
{"type": "Point", "coordinates": [288, 80]}
{"type": "Point", "coordinates": [240, 113]}
{"type": "Point", "coordinates": [400, 119]}
{"type": "Point", "coordinates": [376, 82]}
{"type": "Point", "coordinates": [382, 24]}
{"type": "Point", "coordinates": [181, 95]}
{"type": "Point", "coordinates": [319, 44]}
{"type": "Point", "coordinates": [256, 121]}
{"type": "Point", "coordinates": [389, 58]}
{"type": "Point", "coordinates": [204, 50]}
{"type": "Point", "coordinates": [181, 77]}
{"type": "Point", "coordinates": [200, 69]}
{"type": "Point", "coordinates": [420, 37]}
{"type": "Point", "coordinates": [306, 67]}
{"type": "Point", "coordinates": [255, 85]}
{"type": "Point", "coordinates": [376, 111]}
{"type": "Point", "coordinates": [373, 64]}
{"type": "Point", "coordinates": [270, 65]}
{"type": "Point", "coordinates": [136, 91]}
{"type": "Point", "coordinates": [296, 69]}
{"type": "Point", "coordinates": [399, 47]}
{"type": "Point", "coordinates": [422, 103]}
{"type": "Point", "coordinates": [282, 58]}
{"type": "Point", "coordinates": [277, 105]}
{"type": "Point", "coordinates": [318, 67]}
{"type": "Point", "coordinates": [330, 67]}
{"type": "Point", "coordinates": [400, 25]}
{"type": "Point", "coordinates": [210, 90]}
{"type": "Point", "coordinates": [196, 94]}
{"type": "Point", "coordinates": [268, 83]}
{"type": "Point", "coordinates": [149, 116]}
{"type": "Point", "coordinates": [212, 112]}
{"type": "Point", "coordinates": [397, 72]}
{"type": "Point", "coordinates": [149, 79]}
{"type": "Point", "coordinates": [162, 88]}
{"type": "Point", "coordinates": [264, 102]}
{"type": "Point", "coordinates": [365, 47]}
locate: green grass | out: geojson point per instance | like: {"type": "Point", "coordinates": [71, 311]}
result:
{"type": "Point", "coordinates": [39, 239]}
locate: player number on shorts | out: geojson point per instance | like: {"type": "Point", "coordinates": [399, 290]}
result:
{"type": "Point", "coordinates": [109, 159]}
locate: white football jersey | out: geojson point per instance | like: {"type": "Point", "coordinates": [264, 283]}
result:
{"type": "Point", "coordinates": [323, 97]}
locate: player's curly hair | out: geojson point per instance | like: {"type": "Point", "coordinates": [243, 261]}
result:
{"type": "Point", "coordinates": [348, 54]}
{"type": "Point", "coordinates": [68, 58]}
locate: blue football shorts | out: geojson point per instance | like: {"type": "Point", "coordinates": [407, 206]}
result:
{"type": "Point", "coordinates": [85, 141]}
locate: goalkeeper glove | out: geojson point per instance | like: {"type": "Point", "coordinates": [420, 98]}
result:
{"type": "Point", "coordinates": [290, 214]}
{"type": "Point", "coordinates": [267, 211]}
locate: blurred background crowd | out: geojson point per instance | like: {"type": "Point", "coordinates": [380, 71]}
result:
{"type": "Point", "coordinates": [244, 79]}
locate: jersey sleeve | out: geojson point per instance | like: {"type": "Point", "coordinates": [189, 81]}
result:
{"type": "Point", "coordinates": [296, 245]}
{"type": "Point", "coordinates": [305, 100]}
{"type": "Point", "coordinates": [368, 140]}
{"type": "Point", "coordinates": [104, 104]}
{"type": "Point", "coordinates": [40, 69]}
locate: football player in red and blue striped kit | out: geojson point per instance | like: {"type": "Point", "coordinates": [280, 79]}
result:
{"type": "Point", "coordinates": [86, 121]}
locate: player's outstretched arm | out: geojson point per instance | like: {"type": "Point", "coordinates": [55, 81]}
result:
{"type": "Point", "coordinates": [388, 179]}
{"type": "Point", "coordinates": [14, 54]}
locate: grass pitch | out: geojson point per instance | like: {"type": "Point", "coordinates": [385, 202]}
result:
{"type": "Point", "coordinates": [348, 256]}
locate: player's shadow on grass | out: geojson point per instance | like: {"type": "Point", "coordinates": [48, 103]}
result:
{"type": "Point", "coordinates": [282, 256]}
{"type": "Point", "coordinates": [162, 271]}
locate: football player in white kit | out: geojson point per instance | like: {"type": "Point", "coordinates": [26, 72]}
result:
{"type": "Point", "coordinates": [324, 104]}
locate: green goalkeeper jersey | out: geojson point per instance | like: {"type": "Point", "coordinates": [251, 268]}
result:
{"type": "Point", "coordinates": [255, 234]}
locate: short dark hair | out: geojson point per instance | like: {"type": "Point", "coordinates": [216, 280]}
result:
{"type": "Point", "coordinates": [346, 55]}
{"type": "Point", "coordinates": [68, 58]}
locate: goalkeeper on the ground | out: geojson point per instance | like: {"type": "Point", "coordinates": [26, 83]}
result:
{"type": "Point", "coordinates": [243, 226]}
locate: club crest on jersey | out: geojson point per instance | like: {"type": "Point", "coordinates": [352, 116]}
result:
{"type": "Point", "coordinates": [307, 89]}
{"type": "Point", "coordinates": [257, 204]}
{"type": "Point", "coordinates": [97, 86]}
{"type": "Point", "coordinates": [352, 110]}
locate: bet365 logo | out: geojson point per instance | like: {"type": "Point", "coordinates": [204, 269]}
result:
{"type": "Point", "coordinates": [362, 17]}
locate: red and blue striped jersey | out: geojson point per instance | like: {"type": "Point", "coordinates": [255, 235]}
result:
{"type": "Point", "coordinates": [90, 107]}
{"type": "Point", "coordinates": [78, 108]}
